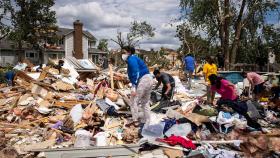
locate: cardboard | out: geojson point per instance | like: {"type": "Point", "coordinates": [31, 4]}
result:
{"type": "Point", "coordinates": [39, 90]}
{"type": "Point", "coordinates": [62, 86]}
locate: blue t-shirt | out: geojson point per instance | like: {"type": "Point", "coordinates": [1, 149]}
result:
{"type": "Point", "coordinates": [136, 69]}
{"type": "Point", "coordinates": [189, 63]}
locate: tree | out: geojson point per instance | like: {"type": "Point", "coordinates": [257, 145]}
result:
{"type": "Point", "coordinates": [191, 42]}
{"type": "Point", "coordinates": [225, 20]}
{"type": "Point", "coordinates": [137, 31]}
{"type": "Point", "coordinates": [272, 40]}
{"type": "Point", "coordinates": [103, 45]}
{"type": "Point", "coordinates": [5, 13]}
{"type": "Point", "coordinates": [33, 22]}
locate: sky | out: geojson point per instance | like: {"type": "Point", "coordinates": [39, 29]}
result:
{"type": "Point", "coordinates": [103, 18]}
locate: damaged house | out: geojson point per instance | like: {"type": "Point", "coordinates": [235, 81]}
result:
{"type": "Point", "coordinates": [75, 42]}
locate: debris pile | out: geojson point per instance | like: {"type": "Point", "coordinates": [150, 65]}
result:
{"type": "Point", "coordinates": [54, 108]}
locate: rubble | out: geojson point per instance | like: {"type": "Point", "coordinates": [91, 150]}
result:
{"type": "Point", "coordinates": [55, 108]}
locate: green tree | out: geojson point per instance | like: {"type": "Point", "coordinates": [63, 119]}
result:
{"type": "Point", "coordinates": [103, 45]}
{"type": "Point", "coordinates": [225, 20]}
{"type": "Point", "coordinates": [272, 40]}
{"type": "Point", "coordinates": [191, 42]}
{"type": "Point", "coordinates": [137, 31]}
{"type": "Point", "coordinates": [33, 22]}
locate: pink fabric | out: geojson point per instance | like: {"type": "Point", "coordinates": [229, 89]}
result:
{"type": "Point", "coordinates": [226, 91]}
{"type": "Point", "coordinates": [254, 78]}
{"type": "Point", "coordinates": [177, 140]}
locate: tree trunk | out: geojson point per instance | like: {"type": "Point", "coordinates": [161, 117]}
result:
{"type": "Point", "coordinates": [226, 33]}
{"type": "Point", "coordinates": [21, 54]}
{"type": "Point", "coordinates": [220, 20]}
{"type": "Point", "coordinates": [238, 27]}
{"type": "Point", "coordinates": [186, 42]}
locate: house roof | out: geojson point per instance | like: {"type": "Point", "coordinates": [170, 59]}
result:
{"type": "Point", "coordinates": [96, 51]}
{"type": "Point", "coordinates": [142, 51]}
{"type": "Point", "coordinates": [66, 31]}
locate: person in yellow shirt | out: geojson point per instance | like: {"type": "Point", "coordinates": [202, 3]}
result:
{"type": "Point", "coordinates": [208, 69]}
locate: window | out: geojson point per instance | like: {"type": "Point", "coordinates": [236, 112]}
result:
{"type": "Point", "coordinates": [90, 44]}
{"type": "Point", "coordinates": [56, 56]}
{"type": "Point", "coordinates": [60, 56]}
{"type": "Point", "coordinates": [95, 58]}
{"type": "Point", "coordinates": [53, 56]}
{"type": "Point", "coordinates": [61, 42]}
{"type": "Point", "coordinates": [32, 55]}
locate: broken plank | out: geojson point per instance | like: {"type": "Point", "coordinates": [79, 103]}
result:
{"type": "Point", "coordinates": [70, 104]}
{"type": "Point", "coordinates": [111, 75]}
{"type": "Point", "coordinates": [24, 76]}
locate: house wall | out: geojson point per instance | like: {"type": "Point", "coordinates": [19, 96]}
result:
{"type": "Point", "coordinates": [85, 47]}
{"type": "Point", "coordinates": [8, 57]}
{"type": "Point", "coordinates": [53, 55]}
{"type": "Point", "coordinates": [34, 58]}
{"type": "Point", "coordinates": [45, 57]}
{"type": "Point", "coordinates": [69, 45]}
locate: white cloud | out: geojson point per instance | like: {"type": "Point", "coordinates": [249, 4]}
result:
{"type": "Point", "coordinates": [104, 17]}
{"type": "Point", "coordinates": [92, 14]}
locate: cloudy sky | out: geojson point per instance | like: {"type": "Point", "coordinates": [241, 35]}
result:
{"type": "Point", "coordinates": [104, 18]}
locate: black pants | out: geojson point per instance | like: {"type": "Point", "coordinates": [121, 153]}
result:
{"type": "Point", "coordinates": [170, 93]}
{"type": "Point", "coordinates": [241, 108]}
{"type": "Point", "coordinates": [275, 92]}
{"type": "Point", "coordinates": [259, 88]}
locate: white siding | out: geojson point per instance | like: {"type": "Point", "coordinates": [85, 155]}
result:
{"type": "Point", "coordinates": [7, 57]}
{"type": "Point", "coordinates": [85, 47]}
{"type": "Point", "coordinates": [69, 45]}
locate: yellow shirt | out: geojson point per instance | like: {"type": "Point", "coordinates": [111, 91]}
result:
{"type": "Point", "coordinates": [209, 70]}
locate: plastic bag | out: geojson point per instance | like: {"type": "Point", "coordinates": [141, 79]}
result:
{"type": "Point", "coordinates": [179, 130]}
{"type": "Point", "coordinates": [82, 138]}
{"type": "Point", "coordinates": [153, 131]}
{"type": "Point", "coordinates": [76, 113]}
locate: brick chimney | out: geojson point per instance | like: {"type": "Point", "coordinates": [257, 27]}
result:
{"type": "Point", "coordinates": [78, 39]}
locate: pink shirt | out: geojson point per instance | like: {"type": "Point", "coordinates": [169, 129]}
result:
{"type": "Point", "coordinates": [226, 91]}
{"type": "Point", "coordinates": [254, 78]}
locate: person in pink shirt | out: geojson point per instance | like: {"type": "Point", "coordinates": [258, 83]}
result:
{"type": "Point", "coordinates": [230, 98]}
{"type": "Point", "coordinates": [222, 86]}
{"type": "Point", "coordinates": [256, 81]}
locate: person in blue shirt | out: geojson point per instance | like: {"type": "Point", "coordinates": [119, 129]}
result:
{"type": "Point", "coordinates": [142, 84]}
{"type": "Point", "coordinates": [189, 68]}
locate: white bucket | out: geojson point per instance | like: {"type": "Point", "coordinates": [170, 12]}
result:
{"type": "Point", "coordinates": [101, 139]}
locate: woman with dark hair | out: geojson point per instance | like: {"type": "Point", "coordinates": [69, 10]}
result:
{"type": "Point", "coordinates": [142, 85]}
{"type": "Point", "coordinates": [208, 69]}
{"type": "Point", "coordinates": [229, 98]}
{"type": "Point", "coordinates": [225, 88]}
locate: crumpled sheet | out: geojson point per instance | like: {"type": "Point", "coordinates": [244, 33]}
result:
{"type": "Point", "coordinates": [218, 153]}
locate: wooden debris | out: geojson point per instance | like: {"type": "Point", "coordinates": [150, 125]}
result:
{"type": "Point", "coordinates": [39, 90]}
{"type": "Point", "coordinates": [43, 74]}
{"type": "Point", "coordinates": [111, 75]}
{"type": "Point", "coordinates": [70, 104]}
{"type": "Point", "coordinates": [62, 86]}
